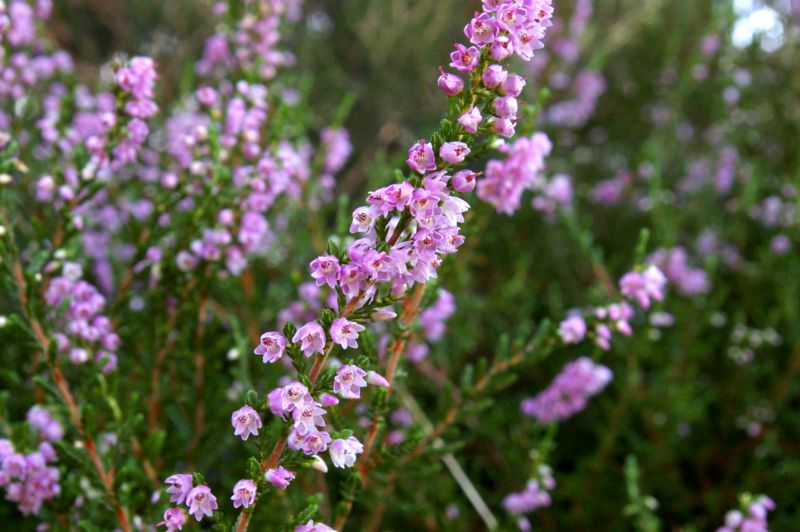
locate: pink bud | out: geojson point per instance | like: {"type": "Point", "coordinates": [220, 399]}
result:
{"type": "Point", "coordinates": [493, 76]}
{"type": "Point", "coordinates": [383, 314]}
{"type": "Point", "coordinates": [513, 85]}
{"type": "Point", "coordinates": [464, 181]}
{"type": "Point", "coordinates": [377, 379]}
{"type": "Point", "coordinates": [329, 400]}
{"type": "Point", "coordinates": [450, 83]}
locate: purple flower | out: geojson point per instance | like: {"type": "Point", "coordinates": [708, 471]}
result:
{"type": "Point", "coordinates": [505, 106]}
{"type": "Point", "coordinates": [465, 59]}
{"type": "Point", "coordinates": [245, 421]}
{"type": "Point", "coordinates": [464, 181]}
{"type": "Point", "coordinates": [348, 381]}
{"type": "Point", "coordinates": [569, 392]}
{"type": "Point", "coordinates": [421, 158]}
{"type": "Point", "coordinates": [180, 486]}
{"type": "Point", "coordinates": [311, 337]}
{"type": "Point", "coordinates": [362, 220]}
{"type": "Point", "coordinates": [493, 76]}
{"type": "Point", "coordinates": [502, 126]}
{"type": "Point", "coordinates": [311, 526]}
{"type": "Point", "coordinates": [315, 442]}
{"type": "Point", "coordinates": [201, 502]}
{"type": "Point", "coordinates": [325, 270]}
{"type": "Point", "coordinates": [343, 452]}
{"type": "Point", "coordinates": [502, 48]}
{"type": "Point", "coordinates": [471, 120]}
{"type": "Point", "coordinates": [308, 416]}
{"type": "Point", "coordinates": [271, 346]}
{"type": "Point", "coordinates": [293, 395]}
{"type": "Point", "coordinates": [174, 519]}
{"type": "Point", "coordinates": [450, 83]}
{"type": "Point", "coordinates": [643, 286]}
{"type": "Point", "coordinates": [376, 379]}
{"type": "Point", "coordinates": [481, 29]}
{"type": "Point", "coordinates": [280, 477]}
{"type": "Point", "coordinates": [345, 332]}
{"type": "Point", "coordinates": [572, 330]}
{"type": "Point", "coordinates": [513, 85]}
{"type": "Point", "coordinates": [244, 493]}
{"type": "Point", "coordinates": [454, 152]}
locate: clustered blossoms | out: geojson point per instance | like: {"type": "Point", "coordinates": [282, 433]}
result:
{"type": "Point", "coordinates": [639, 287]}
{"type": "Point", "coordinates": [752, 517]}
{"type": "Point", "coordinates": [404, 231]}
{"type": "Point", "coordinates": [521, 170]}
{"type": "Point", "coordinates": [85, 333]}
{"type": "Point", "coordinates": [536, 495]}
{"type": "Point", "coordinates": [28, 480]}
{"type": "Point", "coordinates": [569, 392]}
{"type": "Point", "coordinates": [674, 263]}
{"type": "Point", "coordinates": [198, 499]}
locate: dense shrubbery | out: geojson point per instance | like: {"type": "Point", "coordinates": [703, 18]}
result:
{"type": "Point", "coordinates": [571, 306]}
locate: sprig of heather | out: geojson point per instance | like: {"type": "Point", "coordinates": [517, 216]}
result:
{"type": "Point", "coordinates": [406, 229]}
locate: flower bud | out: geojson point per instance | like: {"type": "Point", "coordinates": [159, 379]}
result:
{"type": "Point", "coordinates": [493, 76]}
{"type": "Point", "coordinates": [376, 379]}
{"type": "Point", "coordinates": [450, 83]}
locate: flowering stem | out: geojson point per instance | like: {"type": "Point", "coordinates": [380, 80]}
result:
{"type": "Point", "coordinates": [410, 310]}
{"type": "Point", "coordinates": [106, 477]}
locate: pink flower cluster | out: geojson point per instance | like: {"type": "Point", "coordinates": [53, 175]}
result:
{"type": "Point", "coordinates": [536, 494]}
{"type": "Point", "coordinates": [85, 333]}
{"type": "Point", "coordinates": [521, 170]}
{"type": "Point", "coordinates": [251, 45]}
{"type": "Point", "coordinates": [199, 499]}
{"type": "Point", "coordinates": [644, 286]}
{"type": "Point", "coordinates": [28, 480]}
{"type": "Point", "coordinates": [640, 287]}
{"type": "Point", "coordinates": [674, 262]}
{"type": "Point", "coordinates": [753, 519]}
{"type": "Point", "coordinates": [569, 392]}
{"type": "Point", "coordinates": [294, 401]}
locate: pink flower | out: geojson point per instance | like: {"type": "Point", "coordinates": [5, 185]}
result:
{"type": "Point", "coordinates": [505, 106]}
{"type": "Point", "coordinates": [471, 120]}
{"type": "Point", "coordinates": [315, 442]}
{"type": "Point", "coordinates": [494, 75]}
{"type": "Point", "coordinates": [311, 337]}
{"type": "Point", "coordinates": [271, 346]}
{"type": "Point", "coordinates": [465, 59]}
{"type": "Point", "coordinates": [348, 381]}
{"type": "Point", "coordinates": [513, 85]}
{"type": "Point", "coordinates": [308, 416]}
{"type": "Point", "coordinates": [175, 518]}
{"type": "Point", "coordinates": [572, 330]}
{"type": "Point", "coordinates": [450, 83]}
{"type": "Point", "coordinates": [376, 379]}
{"type": "Point", "coordinates": [201, 502]}
{"type": "Point", "coordinates": [454, 152]}
{"type": "Point", "coordinates": [245, 421]}
{"type": "Point", "coordinates": [481, 29]}
{"type": "Point", "coordinates": [244, 493]}
{"type": "Point", "coordinates": [464, 181]}
{"type": "Point", "coordinates": [325, 270]}
{"type": "Point", "coordinates": [345, 332]}
{"type": "Point", "coordinates": [421, 158]}
{"type": "Point", "coordinates": [641, 287]}
{"type": "Point", "coordinates": [293, 395]}
{"type": "Point", "coordinates": [343, 452]}
{"type": "Point", "coordinates": [280, 477]}
{"type": "Point", "coordinates": [180, 486]}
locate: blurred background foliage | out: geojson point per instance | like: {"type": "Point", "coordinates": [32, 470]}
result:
{"type": "Point", "coordinates": [703, 427]}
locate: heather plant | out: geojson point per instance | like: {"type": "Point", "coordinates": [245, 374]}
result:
{"type": "Point", "coordinates": [555, 289]}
